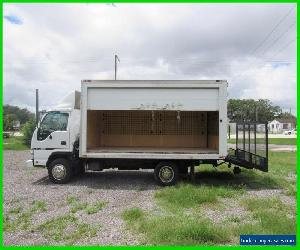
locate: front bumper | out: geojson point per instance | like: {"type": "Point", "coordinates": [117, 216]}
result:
{"type": "Point", "coordinates": [29, 163]}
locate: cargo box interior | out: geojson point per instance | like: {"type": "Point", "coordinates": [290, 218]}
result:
{"type": "Point", "coordinates": [152, 131]}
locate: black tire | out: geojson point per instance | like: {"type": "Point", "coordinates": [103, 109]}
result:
{"type": "Point", "coordinates": [166, 173]}
{"type": "Point", "coordinates": [60, 171]}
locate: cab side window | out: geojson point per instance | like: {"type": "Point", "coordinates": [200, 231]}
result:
{"type": "Point", "coordinates": [53, 121]}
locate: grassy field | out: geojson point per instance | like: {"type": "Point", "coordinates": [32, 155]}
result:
{"type": "Point", "coordinates": [14, 143]}
{"type": "Point", "coordinates": [181, 216]}
{"type": "Point", "coordinates": [277, 141]}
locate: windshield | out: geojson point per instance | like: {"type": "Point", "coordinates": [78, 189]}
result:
{"type": "Point", "coordinates": [53, 121]}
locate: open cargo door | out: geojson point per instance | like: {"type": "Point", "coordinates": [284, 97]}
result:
{"type": "Point", "coordinates": [251, 146]}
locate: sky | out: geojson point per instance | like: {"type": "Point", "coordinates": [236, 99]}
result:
{"type": "Point", "coordinates": [52, 47]}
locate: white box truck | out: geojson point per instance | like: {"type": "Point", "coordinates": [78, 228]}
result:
{"type": "Point", "coordinates": [167, 126]}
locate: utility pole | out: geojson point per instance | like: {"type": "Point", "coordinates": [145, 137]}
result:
{"type": "Point", "coordinates": [37, 115]}
{"type": "Point", "coordinates": [256, 113]}
{"type": "Point", "coordinates": [116, 59]}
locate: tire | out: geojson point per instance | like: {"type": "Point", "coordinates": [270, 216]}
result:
{"type": "Point", "coordinates": [60, 171]}
{"type": "Point", "coordinates": [166, 173]}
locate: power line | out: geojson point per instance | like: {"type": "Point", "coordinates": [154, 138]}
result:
{"type": "Point", "coordinates": [271, 32]}
{"type": "Point", "coordinates": [283, 47]}
{"type": "Point", "coordinates": [278, 38]}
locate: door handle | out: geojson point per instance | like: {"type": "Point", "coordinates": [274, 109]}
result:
{"type": "Point", "coordinates": [63, 143]}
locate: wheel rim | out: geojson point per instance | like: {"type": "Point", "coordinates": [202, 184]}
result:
{"type": "Point", "coordinates": [59, 172]}
{"type": "Point", "coordinates": [166, 174]}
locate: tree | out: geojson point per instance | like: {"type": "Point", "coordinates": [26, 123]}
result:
{"type": "Point", "coordinates": [8, 121]}
{"type": "Point", "coordinates": [27, 131]}
{"type": "Point", "coordinates": [12, 114]}
{"type": "Point", "coordinates": [250, 110]}
{"type": "Point", "coordinates": [288, 116]}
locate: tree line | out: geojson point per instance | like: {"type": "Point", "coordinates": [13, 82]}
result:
{"type": "Point", "coordinates": [250, 110]}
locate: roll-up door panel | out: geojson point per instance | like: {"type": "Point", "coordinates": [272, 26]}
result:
{"type": "Point", "coordinates": [153, 99]}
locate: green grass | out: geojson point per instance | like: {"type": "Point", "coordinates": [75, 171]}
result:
{"type": "Point", "coordinates": [281, 165]}
{"type": "Point", "coordinates": [38, 206]}
{"type": "Point", "coordinates": [18, 219]}
{"type": "Point", "coordinates": [95, 208]}
{"type": "Point", "coordinates": [179, 218]}
{"type": "Point", "coordinates": [78, 206]}
{"type": "Point", "coordinates": [14, 143]}
{"type": "Point", "coordinates": [188, 195]}
{"type": "Point", "coordinates": [273, 216]}
{"type": "Point", "coordinates": [15, 210]}
{"type": "Point", "coordinates": [277, 141]}
{"type": "Point", "coordinates": [132, 214]}
{"type": "Point", "coordinates": [72, 199]}
{"type": "Point", "coordinates": [175, 229]}
{"type": "Point", "coordinates": [291, 190]}
{"type": "Point", "coordinates": [75, 204]}
{"type": "Point", "coordinates": [66, 228]}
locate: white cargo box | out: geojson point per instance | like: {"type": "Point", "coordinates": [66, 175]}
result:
{"type": "Point", "coordinates": [154, 119]}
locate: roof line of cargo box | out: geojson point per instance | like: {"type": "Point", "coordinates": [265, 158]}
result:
{"type": "Point", "coordinates": [164, 81]}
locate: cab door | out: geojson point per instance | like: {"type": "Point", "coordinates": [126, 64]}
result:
{"type": "Point", "coordinates": [52, 135]}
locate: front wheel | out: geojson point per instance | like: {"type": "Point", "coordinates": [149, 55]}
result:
{"type": "Point", "coordinates": [166, 173]}
{"type": "Point", "coordinates": [60, 171]}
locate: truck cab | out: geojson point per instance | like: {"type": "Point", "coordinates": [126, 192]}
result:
{"type": "Point", "coordinates": [55, 136]}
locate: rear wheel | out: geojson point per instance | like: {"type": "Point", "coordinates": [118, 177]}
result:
{"type": "Point", "coordinates": [60, 171]}
{"type": "Point", "coordinates": [166, 173]}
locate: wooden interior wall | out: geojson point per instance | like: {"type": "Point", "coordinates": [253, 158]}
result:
{"type": "Point", "coordinates": [93, 128]}
{"type": "Point", "coordinates": [169, 129]}
{"type": "Point", "coordinates": [213, 130]}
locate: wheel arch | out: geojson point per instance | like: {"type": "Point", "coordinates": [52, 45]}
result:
{"type": "Point", "coordinates": [56, 155]}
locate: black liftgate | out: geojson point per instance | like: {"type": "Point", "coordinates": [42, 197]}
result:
{"type": "Point", "coordinates": [251, 146]}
